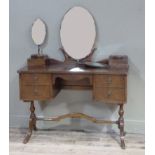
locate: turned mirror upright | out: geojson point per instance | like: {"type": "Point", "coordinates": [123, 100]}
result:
{"type": "Point", "coordinates": [43, 77]}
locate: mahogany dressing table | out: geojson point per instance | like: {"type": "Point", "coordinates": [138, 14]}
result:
{"type": "Point", "coordinates": [42, 78]}
{"type": "Point", "coordinates": [108, 85]}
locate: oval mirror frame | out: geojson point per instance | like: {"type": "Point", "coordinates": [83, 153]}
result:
{"type": "Point", "coordinates": [38, 31]}
{"type": "Point", "coordinates": [78, 33]}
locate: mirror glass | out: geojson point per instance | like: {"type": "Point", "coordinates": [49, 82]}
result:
{"type": "Point", "coordinates": [78, 33]}
{"type": "Point", "coordinates": [38, 31]}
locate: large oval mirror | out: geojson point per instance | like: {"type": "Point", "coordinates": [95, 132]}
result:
{"type": "Point", "coordinates": [78, 33]}
{"type": "Point", "coordinates": [38, 31]}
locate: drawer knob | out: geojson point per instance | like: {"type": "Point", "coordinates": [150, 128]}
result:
{"type": "Point", "coordinates": [109, 93]}
{"type": "Point", "coordinates": [35, 77]}
{"type": "Point", "coordinates": [109, 80]}
{"type": "Point", "coordinates": [35, 91]}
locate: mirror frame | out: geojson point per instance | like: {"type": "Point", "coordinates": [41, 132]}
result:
{"type": "Point", "coordinates": [45, 31]}
{"type": "Point", "coordinates": [88, 56]}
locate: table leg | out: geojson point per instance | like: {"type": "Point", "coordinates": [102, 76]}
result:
{"type": "Point", "coordinates": [32, 123]}
{"type": "Point", "coordinates": [121, 126]}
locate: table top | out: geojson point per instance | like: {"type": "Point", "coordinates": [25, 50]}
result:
{"type": "Point", "coordinates": [72, 68]}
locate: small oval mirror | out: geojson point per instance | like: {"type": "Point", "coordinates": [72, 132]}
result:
{"type": "Point", "coordinates": [38, 31]}
{"type": "Point", "coordinates": [78, 33]}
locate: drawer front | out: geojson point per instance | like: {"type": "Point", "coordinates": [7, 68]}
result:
{"type": "Point", "coordinates": [75, 78]}
{"type": "Point", "coordinates": [109, 81]}
{"type": "Point", "coordinates": [109, 95]}
{"type": "Point", "coordinates": [32, 92]}
{"type": "Point", "coordinates": [35, 79]}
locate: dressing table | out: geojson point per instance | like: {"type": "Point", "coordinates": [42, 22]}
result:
{"type": "Point", "coordinates": [43, 77]}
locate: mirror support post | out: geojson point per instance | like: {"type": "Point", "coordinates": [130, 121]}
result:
{"type": "Point", "coordinates": [39, 50]}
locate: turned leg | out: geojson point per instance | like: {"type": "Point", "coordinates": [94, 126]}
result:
{"type": "Point", "coordinates": [121, 125]}
{"type": "Point", "coordinates": [32, 123]}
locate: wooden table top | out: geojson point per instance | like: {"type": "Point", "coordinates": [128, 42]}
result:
{"type": "Point", "coordinates": [73, 68]}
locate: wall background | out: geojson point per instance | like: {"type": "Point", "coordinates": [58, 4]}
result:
{"type": "Point", "coordinates": [120, 30]}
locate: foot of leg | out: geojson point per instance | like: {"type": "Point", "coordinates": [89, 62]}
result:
{"type": "Point", "coordinates": [27, 137]}
{"type": "Point", "coordinates": [122, 143]}
{"type": "Point", "coordinates": [34, 126]}
{"type": "Point", "coordinates": [121, 126]}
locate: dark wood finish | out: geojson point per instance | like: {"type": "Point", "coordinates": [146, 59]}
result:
{"type": "Point", "coordinates": [32, 123]}
{"type": "Point", "coordinates": [109, 95]}
{"type": "Point", "coordinates": [36, 79]}
{"type": "Point", "coordinates": [73, 77]}
{"type": "Point", "coordinates": [36, 92]}
{"type": "Point", "coordinates": [121, 126]}
{"type": "Point", "coordinates": [72, 81]}
{"type": "Point", "coordinates": [36, 86]}
{"type": "Point", "coordinates": [118, 61]}
{"type": "Point", "coordinates": [117, 81]}
{"type": "Point", "coordinates": [108, 85]}
{"type": "Point", "coordinates": [77, 115]}
{"type": "Point", "coordinates": [37, 60]}
{"type": "Point", "coordinates": [110, 88]}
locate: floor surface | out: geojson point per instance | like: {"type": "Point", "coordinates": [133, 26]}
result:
{"type": "Point", "coordinates": [52, 142]}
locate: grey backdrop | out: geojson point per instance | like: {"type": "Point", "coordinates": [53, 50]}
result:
{"type": "Point", "coordinates": [120, 30]}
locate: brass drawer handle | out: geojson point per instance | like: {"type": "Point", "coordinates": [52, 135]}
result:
{"type": "Point", "coordinates": [109, 93]}
{"type": "Point", "coordinates": [36, 91]}
{"type": "Point", "coordinates": [35, 77]}
{"type": "Point", "coordinates": [109, 80]}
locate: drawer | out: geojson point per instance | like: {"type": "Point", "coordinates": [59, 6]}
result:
{"type": "Point", "coordinates": [109, 95]}
{"type": "Point", "coordinates": [109, 81]}
{"type": "Point", "coordinates": [74, 77]}
{"type": "Point", "coordinates": [38, 92]}
{"type": "Point", "coordinates": [35, 79]}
